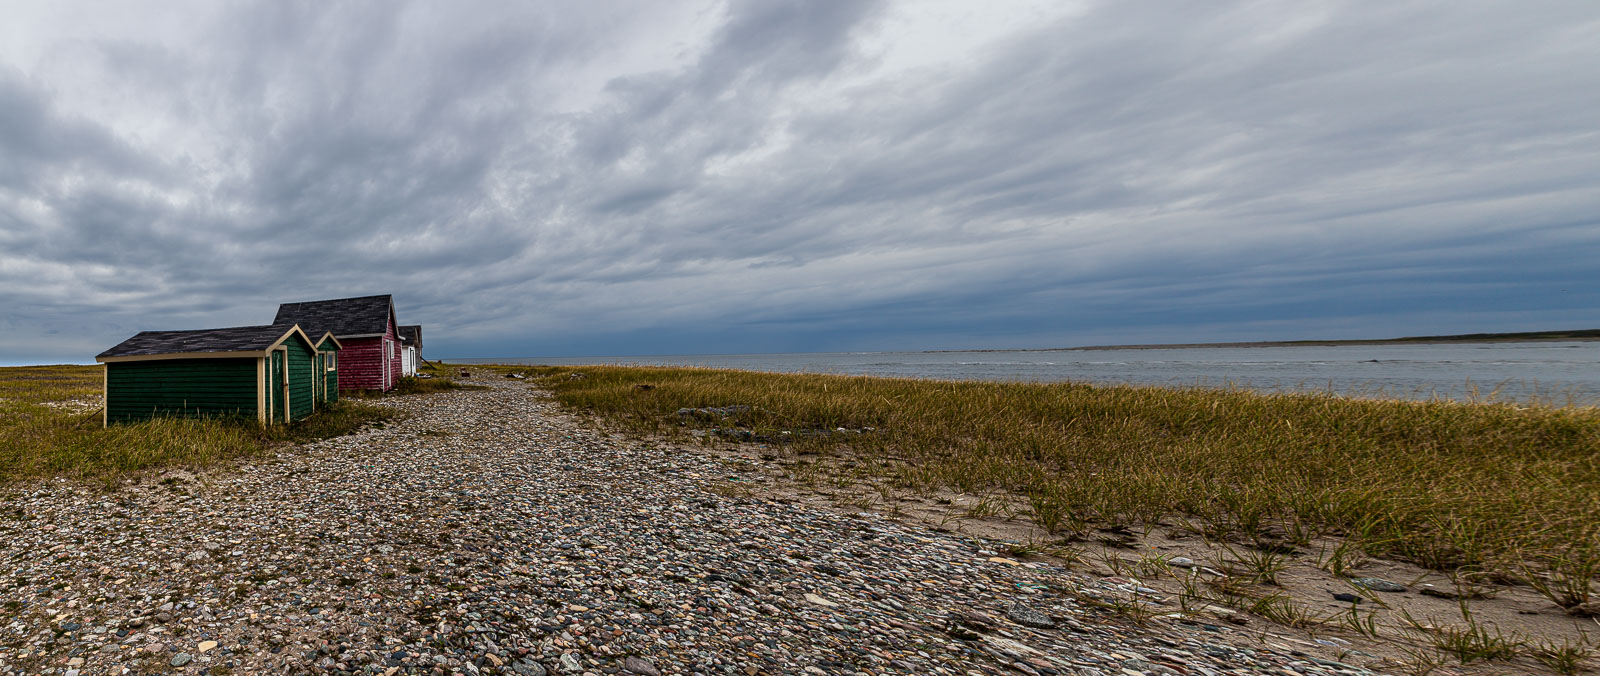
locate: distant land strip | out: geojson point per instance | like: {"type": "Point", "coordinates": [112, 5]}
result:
{"type": "Point", "coordinates": [1524, 337]}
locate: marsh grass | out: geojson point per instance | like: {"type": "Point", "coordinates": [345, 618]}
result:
{"type": "Point", "coordinates": [1343, 556]}
{"type": "Point", "coordinates": [1566, 657]}
{"type": "Point", "coordinates": [40, 438]}
{"type": "Point", "coordinates": [1236, 593]}
{"type": "Point", "coordinates": [1440, 483]}
{"type": "Point", "coordinates": [1262, 566]}
{"type": "Point", "coordinates": [1566, 578]}
{"type": "Point", "coordinates": [1139, 613]}
{"type": "Point", "coordinates": [1471, 640]}
{"type": "Point", "coordinates": [1357, 622]}
{"type": "Point", "coordinates": [1284, 610]}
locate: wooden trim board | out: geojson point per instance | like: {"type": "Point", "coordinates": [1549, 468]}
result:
{"type": "Point", "coordinates": [261, 390]}
{"type": "Point", "coordinates": [288, 410]}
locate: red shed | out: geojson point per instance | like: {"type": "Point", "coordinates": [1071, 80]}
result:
{"type": "Point", "coordinates": [364, 326]}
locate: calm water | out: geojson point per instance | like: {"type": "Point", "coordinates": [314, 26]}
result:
{"type": "Point", "coordinates": [1559, 372]}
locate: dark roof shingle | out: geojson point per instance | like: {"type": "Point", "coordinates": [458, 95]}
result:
{"type": "Point", "coordinates": [411, 334]}
{"type": "Point", "coordinates": [231, 339]}
{"type": "Point", "coordinates": [364, 316]}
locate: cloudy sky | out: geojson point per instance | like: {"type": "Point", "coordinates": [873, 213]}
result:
{"type": "Point", "coordinates": [706, 177]}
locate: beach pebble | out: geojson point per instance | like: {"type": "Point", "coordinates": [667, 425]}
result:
{"type": "Point", "coordinates": [1378, 584]}
{"type": "Point", "coordinates": [1028, 617]}
{"type": "Point", "coordinates": [634, 665]}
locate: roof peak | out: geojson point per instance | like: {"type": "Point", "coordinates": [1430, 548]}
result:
{"type": "Point", "coordinates": [334, 300]}
{"type": "Point", "coordinates": [345, 317]}
{"type": "Point", "coordinates": [285, 326]}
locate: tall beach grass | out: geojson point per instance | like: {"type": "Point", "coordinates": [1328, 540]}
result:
{"type": "Point", "coordinates": [1443, 484]}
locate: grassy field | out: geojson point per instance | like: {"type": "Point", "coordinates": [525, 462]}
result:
{"type": "Point", "coordinates": [50, 426]}
{"type": "Point", "coordinates": [1497, 487]}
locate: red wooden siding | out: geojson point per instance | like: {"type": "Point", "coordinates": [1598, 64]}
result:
{"type": "Point", "coordinates": [361, 362]}
{"type": "Point", "coordinates": [358, 364]}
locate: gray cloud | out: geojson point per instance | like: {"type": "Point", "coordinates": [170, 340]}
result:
{"type": "Point", "coordinates": [794, 175]}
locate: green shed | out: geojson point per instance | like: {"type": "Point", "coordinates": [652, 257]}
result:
{"type": "Point", "coordinates": [270, 373]}
{"type": "Point", "coordinates": [328, 365]}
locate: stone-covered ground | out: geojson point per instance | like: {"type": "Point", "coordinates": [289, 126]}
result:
{"type": "Point", "coordinates": [489, 533]}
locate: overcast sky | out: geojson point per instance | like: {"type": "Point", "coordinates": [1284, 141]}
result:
{"type": "Point", "coordinates": [704, 177]}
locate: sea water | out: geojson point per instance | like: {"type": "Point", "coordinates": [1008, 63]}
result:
{"type": "Point", "coordinates": [1555, 372]}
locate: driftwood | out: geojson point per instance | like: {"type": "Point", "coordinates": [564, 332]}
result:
{"type": "Point", "coordinates": [92, 415]}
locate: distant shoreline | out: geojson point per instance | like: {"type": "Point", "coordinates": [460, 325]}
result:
{"type": "Point", "coordinates": [1580, 335]}
{"type": "Point", "coordinates": [1575, 335]}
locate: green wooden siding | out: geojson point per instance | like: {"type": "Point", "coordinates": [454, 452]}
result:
{"type": "Point", "coordinates": [189, 388]}
{"type": "Point", "coordinates": [302, 369]}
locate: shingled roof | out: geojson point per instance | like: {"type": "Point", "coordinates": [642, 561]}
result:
{"type": "Point", "coordinates": [345, 317]}
{"type": "Point", "coordinates": [411, 334]}
{"type": "Point", "coordinates": [231, 339]}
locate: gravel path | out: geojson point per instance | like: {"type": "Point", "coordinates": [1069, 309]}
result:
{"type": "Point", "coordinates": [489, 533]}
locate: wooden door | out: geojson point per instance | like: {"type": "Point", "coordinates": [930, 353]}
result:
{"type": "Point", "coordinates": [278, 388]}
